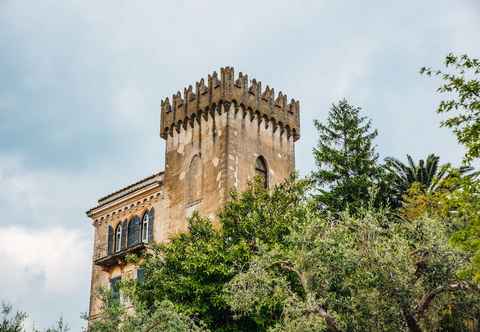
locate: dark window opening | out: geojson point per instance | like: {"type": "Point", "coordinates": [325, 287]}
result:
{"type": "Point", "coordinates": [140, 275]}
{"type": "Point", "coordinates": [261, 171]}
{"type": "Point", "coordinates": [115, 288]}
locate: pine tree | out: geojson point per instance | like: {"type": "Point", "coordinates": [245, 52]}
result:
{"type": "Point", "coordinates": [346, 159]}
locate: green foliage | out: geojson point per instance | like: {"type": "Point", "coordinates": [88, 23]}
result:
{"type": "Point", "coordinates": [346, 159]}
{"type": "Point", "coordinates": [60, 326]}
{"type": "Point", "coordinates": [276, 263]}
{"type": "Point", "coordinates": [455, 205]}
{"type": "Point", "coordinates": [357, 274]}
{"type": "Point", "coordinates": [163, 318]}
{"type": "Point", "coordinates": [462, 86]}
{"type": "Point", "coordinates": [191, 270]}
{"type": "Point", "coordinates": [463, 206]}
{"type": "Point", "coordinates": [428, 174]}
{"type": "Point", "coordinates": [14, 321]}
{"type": "Point", "coordinates": [11, 322]}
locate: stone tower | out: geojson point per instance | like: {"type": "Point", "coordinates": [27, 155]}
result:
{"type": "Point", "coordinates": [214, 134]}
{"type": "Point", "coordinates": [218, 135]}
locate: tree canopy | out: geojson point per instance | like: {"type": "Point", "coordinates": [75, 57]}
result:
{"type": "Point", "coordinates": [277, 263]}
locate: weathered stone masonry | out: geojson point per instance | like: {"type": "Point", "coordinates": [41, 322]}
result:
{"type": "Point", "coordinates": [214, 136]}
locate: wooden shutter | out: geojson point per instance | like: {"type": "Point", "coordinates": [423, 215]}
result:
{"type": "Point", "coordinates": [151, 222]}
{"type": "Point", "coordinates": [138, 229]}
{"type": "Point", "coordinates": [110, 240]}
{"type": "Point", "coordinates": [124, 234]}
{"type": "Point", "coordinates": [134, 231]}
{"type": "Point", "coordinates": [130, 238]}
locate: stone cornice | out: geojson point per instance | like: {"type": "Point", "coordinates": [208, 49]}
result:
{"type": "Point", "coordinates": [127, 193]}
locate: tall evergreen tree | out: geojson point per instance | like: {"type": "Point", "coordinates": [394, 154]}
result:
{"type": "Point", "coordinates": [346, 158]}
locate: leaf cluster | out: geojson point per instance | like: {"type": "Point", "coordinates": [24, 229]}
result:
{"type": "Point", "coordinates": [462, 86]}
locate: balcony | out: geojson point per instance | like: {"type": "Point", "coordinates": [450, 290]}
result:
{"type": "Point", "coordinates": [116, 258]}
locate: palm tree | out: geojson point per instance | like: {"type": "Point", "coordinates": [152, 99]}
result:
{"type": "Point", "coordinates": [428, 173]}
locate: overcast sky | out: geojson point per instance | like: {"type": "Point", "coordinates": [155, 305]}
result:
{"type": "Point", "coordinates": [81, 84]}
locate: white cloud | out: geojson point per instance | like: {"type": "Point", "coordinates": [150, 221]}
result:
{"type": "Point", "coordinates": [46, 244]}
{"type": "Point", "coordinates": [45, 272]}
{"type": "Point", "coordinates": [41, 198]}
{"type": "Point", "coordinates": [55, 257]}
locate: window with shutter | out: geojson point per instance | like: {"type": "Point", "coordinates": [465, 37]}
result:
{"type": "Point", "coordinates": [110, 240]}
{"type": "Point", "coordinates": [115, 288]}
{"type": "Point", "coordinates": [118, 237]}
{"type": "Point", "coordinates": [133, 231]}
{"type": "Point", "coordinates": [151, 222]}
{"type": "Point", "coordinates": [145, 227]}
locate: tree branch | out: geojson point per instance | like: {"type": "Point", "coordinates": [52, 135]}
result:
{"type": "Point", "coordinates": [286, 265]}
{"type": "Point", "coordinates": [410, 319]}
{"type": "Point", "coordinates": [329, 319]}
{"type": "Point", "coordinates": [427, 299]}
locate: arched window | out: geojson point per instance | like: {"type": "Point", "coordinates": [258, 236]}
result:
{"type": "Point", "coordinates": [145, 227]}
{"type": "Point", "coordinates": [118, 238]}
{"type": "Point", "coordinates": [261, 171]}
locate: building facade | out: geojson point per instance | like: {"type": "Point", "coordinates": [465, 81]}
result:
{"type": "Point", "coordinates": [218, 137]}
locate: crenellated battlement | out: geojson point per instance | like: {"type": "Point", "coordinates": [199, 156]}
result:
{"type": "Point", "coordinates": [207, 97]}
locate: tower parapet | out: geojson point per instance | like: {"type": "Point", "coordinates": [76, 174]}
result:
{"type": "Point", "coordinates": [247, 96]}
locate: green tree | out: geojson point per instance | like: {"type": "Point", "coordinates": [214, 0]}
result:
{"type": "Point", "coordinates": [463, 209]}
{"type": "Point", "coordinates": [428, 174]}
{"type": "Point", "coordinates": [11, 322]}
{"type": "Point", "coordinates": [163, 318]}
{"type": "Point", "coordinates": [191, 270]}
{"type": "Point", "coordinates": [346, 160]}
{"type": "Point", "coordinates": [357, 274]}
{"type": "Point", "coordinates": [455, 205]}
{"type": "Point", "coordinates": [462, 85]}
{"type": "Point", "coordinates": [276, 263]}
